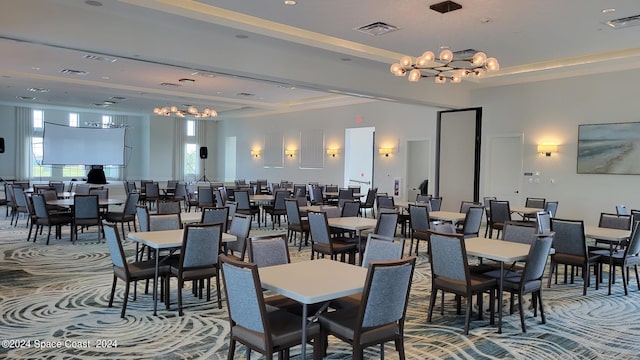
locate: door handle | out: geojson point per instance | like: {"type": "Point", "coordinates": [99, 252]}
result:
{"type": "Point", "coordinates": [517, 192]}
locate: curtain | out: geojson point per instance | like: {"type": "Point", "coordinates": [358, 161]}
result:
{"type": "Point", "coordinates": [122, 121]}
{"type": "Point", "coordinates": [178, 146]}
{"type": "Point", "coordinates": [24, 150]}
{"type": "Point", "coordinates": [201, 133]}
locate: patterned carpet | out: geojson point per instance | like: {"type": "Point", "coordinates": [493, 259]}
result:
{"type": "Point", "coordinates": [59, 293]}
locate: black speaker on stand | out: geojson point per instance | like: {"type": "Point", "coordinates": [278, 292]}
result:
{"type": "Point", "coordinates": [204, 153]}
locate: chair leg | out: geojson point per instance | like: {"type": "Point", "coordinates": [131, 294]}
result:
{"type": "Point", "coordinates": [467, 316]}
{"type": "Point", "coordinates": [218, 290]}
{"type": "Point", "coordinates": [126, 298]}
{"type": "Point", "coordinates": [113, 290]}
{"type": "Point", "coordinates": [521, 310]}
{"type": "Point", "coordinates": [232, 349]}
{"type": "Point", "coordinates": [432, 302]}
{"type": "Point", "coordinates": [180, 284]}
{"type": "Point", "coordinates": [539, 294]}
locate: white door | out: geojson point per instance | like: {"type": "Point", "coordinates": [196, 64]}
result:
{"type": "Point", "coordinates": [418, 156]}
{"type": "Point", "coordinates": [358, 163]}
{"type": "Point", "coordinates": [504, 167]}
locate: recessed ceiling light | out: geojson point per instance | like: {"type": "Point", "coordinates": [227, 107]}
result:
{"type": "Point", "coordinates": [93, 3]}
{"type": "Point", "coordinates": [101, 58]}
{"type": "Point", "coordinates": [40, 90]}
{"type": "Point", "coordinates": [74, 72]}
{"type": "Point", "coordinates": [104, 78]}
{"type": "Point", "coordinates": [35, 68]}
{"type": "Point", "coordinates": [242, 36]}
{"type": "Point", "coordinates": [290, 2]}
{"type": "Point", "coordinates": [25, 97]}
{"type": "Point", "coordinates": [107, 102]}
{"type": "Point", "coordinates": [609, 10]}
{"type": "Point", "coordinates": [118, 98]}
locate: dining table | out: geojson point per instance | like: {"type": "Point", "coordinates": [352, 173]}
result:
{"type": "Point", "coordinates": [69, 202]}
{"type": "Point", "coordinates": [524, 211]}
{"type": "Point", "coordinates": [500, 251]}
{"type": "Point", "coordinates": [613, 237]}
{"type": "Point", "coordinates": [353, 223]}
{"type": "Point", "coordinates": [311, 282]}
{"type": "Point", "coordinates": [448, 216]}
{"type": "Point", "coordinates": [168, 240]}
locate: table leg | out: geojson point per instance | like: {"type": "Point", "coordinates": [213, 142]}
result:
{"type": "Point", "coordinates": [359, 262]}
{"type": "Point", "coordinates": [610, 266]}
{"type": "Point", "coordinates": [500, 297]}
{"type": "Point", "coordinates": [155, 284]}
{"type": "Point", "coordinates": [303, 343]}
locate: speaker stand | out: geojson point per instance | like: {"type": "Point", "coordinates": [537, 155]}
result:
{"type": "Point", "coordinates": [204, 175]}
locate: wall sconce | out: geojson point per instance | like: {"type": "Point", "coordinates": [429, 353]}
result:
{"type": "Point", "coordinates": [385, 151]}
{"type": "Point", "coordinates": [333, 152]}
{"type": "Point", "coordinates": [290, 152]}
{"type": "Point", "coordinates": [255, 153]}
{"type": "Point", "coordinates": [547, 149]}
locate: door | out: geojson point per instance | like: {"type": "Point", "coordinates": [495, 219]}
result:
{"type": "Point", "coordinates": [418, 156]}
{"type": "Point", "coordinates": [504, 167]}
{"type": "Point", "coordinates": [358, 163]}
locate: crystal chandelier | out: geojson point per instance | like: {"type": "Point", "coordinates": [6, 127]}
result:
{"type": "Point", "coordinates": [444, 67]}
{"type": "Point", "coordinates": [188, 111]}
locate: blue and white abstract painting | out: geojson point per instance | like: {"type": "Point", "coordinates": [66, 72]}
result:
{"type": "Point", "coordinates": [609, 148]}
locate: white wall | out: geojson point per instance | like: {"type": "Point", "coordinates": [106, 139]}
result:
{"type": "Point", "coordinates": [551, 111]}
{"type": "Point", "coordinates": [394, 123]}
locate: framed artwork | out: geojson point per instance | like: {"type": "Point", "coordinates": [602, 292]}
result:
{"type": "Point", "coordinates": [609, 148]}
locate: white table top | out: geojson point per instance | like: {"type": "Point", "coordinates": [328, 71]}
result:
{"type": "Point", "coordinates": [352, 223]}
{"type": "Point", "coordinates": [451, 216]}
{"type": "Point", "coordinates": [190, 217]}
{"type": "Point", "coordinates": [314, 281]}
{"type": "Point", "coordinates": [69, 202]}
{"type": "Point", "coordinates": [166, 239]}
{"type": "Point", "coordinates": [524, 210]}
{"type": "Point", "coordinates": [498, 250]}
{"type": "Point", "coordinates": [261, 197]}
{"type": "Point", "coordinates": [606, 234]}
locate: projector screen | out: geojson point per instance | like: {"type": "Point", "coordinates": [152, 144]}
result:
{"type": "Point", "coordinates": [68, 145]}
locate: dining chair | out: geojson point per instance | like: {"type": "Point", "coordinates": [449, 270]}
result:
{"type": "Point", "coordinates": [240, 227]}
{"type": "Point", "coordinates": [205, 197]}
{"type": "Point", "coordinates": [295, 223]}
{"type": "Point", "coordinates": [369, 202]}
{"type": "Point", "coordinates": [44, 218]}
{"type": "Point", "coordinates": [436, 203]}
{"type": "Point", "coordinates": [180, 194]}
{"type": "Point", "coordinates": [127, 271]}
{"type": "Point", "coordinates": [450, 273]}
{"type": "Point", "coordinates": [277, 210]}
{"type": "Point", "coordinates": [251, 324]}
{"type": "Point", "coordinates": [127, 215]}
{"type": "Point", "coordinates": [472, 221]}
{"type": "Point", "coordinates": [245, 206]}
{"type": "Point", "coordinates": [570, 247]}
{"type": "Point", "coordinates": [201, 246]}
{"type": "Point", "coordinates": [20, 205]}
{"type": "Point", "coordinates": [350, 208]}
{"type": "Point", "coordinates": [324, 244]}
{"type": "Point", "coordinates": [465, 205]}
{"type": "Point", "coordinates": [381, 313]}
{"type": "Point", "coordinates": [212, 215]}
{"type": "Point", "coordinates": [10, 204]}
{"type": "Point", "coordinates": [543, 221]}
{"type": "Point", "coordinates": [168, 207]}
{"type": "Point", "coordinates": [86, 212]}
{"type": "Point", "coordinates": [419, 224]}
{"type": "Point", "coordinates": [613, 221]}
{"type": "Point", "coordinates": [624, 258]}
{"type": "Point", "coordinates": [500, 213]}
{"type": "Point", "coordinates": [317, 197]}
{"type": "Point", "coordinates": [217, 196]}
{"type": "Point", "coordinates": [152, 193]}
{"type": "Point", "coordinates": [529, 279]}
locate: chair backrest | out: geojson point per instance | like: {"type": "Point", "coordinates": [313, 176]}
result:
{"type": "Point", "coordinates": [386, 224]}
{"type": "Point", "coordinates": [318, 197]}
{"type": "Point", "coordinates": [20, 197]}
{"type": "Point", "coordinates": [537, 258]}
{"type": "Point", "coordinates": [615, 221]}
{"type": "Point", "coordinates": [130, 203]}
{"type": "Point", "coordinates": [49, 194]}
{"type": "Point", "coordinates": [102, 193]}
{"type": "Point", "coordinates": [535, 202]}
{"type": "Point", "coordinates": [382, 248]}
{"type": "Point", "coordinates": [551, 207]}
{"type": "Point", "coordinates": [543, 221]}
{"type": "Point", "coordinates": [423, 198]}
{"type": "Point", "coordinates": [472, 220]}
{"type": "Point", "coordinates": [345, 194]}
{"type": "Point", "coordinates": [242, 198]}
{"type": "Point", "coordinates": [350, 208]}
{"type": "Point", "coordinates": [200, 246]}
{"type": "Point", "coordinates": [385, 202]}
{"type": "Point", "coordinates": [386, 293]}
{"type": "Point", "coordinates": [622, 210]}
{"type": "Point", "coordinates": [82, 189]}
{"type": "Point", "coordinates": [465, 205]}
{"type": "Point", "coordinates": [331, 188]}
{"type": "Point", "coordinates": [569, 238]}
{"type": "Point", "coordinates": [130, 186]}
{"type": "Point", "coordinates": [159, 222]}
{"type": "Point", "coordinates": [500, 211]}
{"type": "Point", "coordinates": [331, 211]}
{"type": "Point", "coordinates": [169, 207]}
{"type": "Point", "coordinates": [40, 206]}
{"type": "Point", "coordinates": [142, 213]}
{"type": "Point", "coordinates": [633, 248]}
{"type": "Point", "coordinates": [448, 256]}
{"type": "Point", "coordinates": [371, 197]}
{"type": "Point", "coordinates": [58, 186]}
{"type": "Point", "coordinates": [419, 217]}
{"type": "Point", "coordinates": [293, 211]}
{"type": "Point", "coordinates": [8, 192]}
{"type": "Point", "coordinates": [152, 190]}
{"type": "Point", "coordinates": [118, 258]}
{"type": "Point", "coordinates": [245, 299]}
{"type": "Point", "coordinates": [487, 202]}
{"type": "Point", "coordinates": [278, 202]}
{"type": "Point", "coordinates": [232, 205]}
{"type": "Point", "coordinates": [444, 227]}
{"type": "Point", "coordinates": [269, 250]}
{"type": "Point", "coordinates": [299, 190]}
{"type": "Point", "coordinates": [205, 196]}
{"type": "Point", "coordinates": [240, 228]}
{"type": "Point", "coordinates": [212, 215]}
{"type": "Point", "coordinates": [436, 203]}
{"type": "Point", "coordinates": [219, 201]}
{"type": "Point", "coordinates": [319, 227]}
{"type": "Point", "coordinates": [171, 184]}
{"type": "Point", "coordinates": [223, 194]}
{"type": "Point", "coordinates": [86, 207]}
{"type": "Point", "coordinates": [519, 232]}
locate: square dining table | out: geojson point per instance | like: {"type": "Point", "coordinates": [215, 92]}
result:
{"type": "Point", "coordinates": [170, 240]}
{"type": "Point", "coordinates": [610, 236]}
{"type": "Point", "coordinates": [500, 251]}
{"type": "Point", "coordinates": [311, 282]}
{"type": "Point", "coordinates": [353, 223]}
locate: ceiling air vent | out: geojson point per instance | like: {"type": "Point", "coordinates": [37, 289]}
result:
{"type": "Point", "coordinates": [377, 28]}
{"type": "Point", "coordinates": [100, 58]}
{"type": "Point", "coordinates": [169, 84]}
{"type": "Point", "coordinates": [624, 22]}
{"type": "Point", "coordinates": [74, 72]}
{"type": "Point", "coordinates": [245, 94]}
{"type": "Point", "coordinates": [445, 7]}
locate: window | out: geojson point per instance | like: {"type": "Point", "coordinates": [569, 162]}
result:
{"type": "Point", "coordinates": [38, 119]}
{"type": "Point", "coordinates": [37, 169]}
{"type": "Point", "coordinates": [190, 162]}
{"type": "Point", "coordinates": [191, 128]}
{"type": "Point", "coordinates": [73, 119]}
{"type": "Point", "coordinates": [106, 121]}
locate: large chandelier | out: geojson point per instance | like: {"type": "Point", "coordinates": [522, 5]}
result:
{"type": "Point", "coordinates": [186, 111]}
{"type": "Point", "coordinates": [444, 67]}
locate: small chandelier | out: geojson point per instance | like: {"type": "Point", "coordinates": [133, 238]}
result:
{"type": "Point", "coordinates": [445, 67]}
{"type": "Point", "coordinates": [189, 111]}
